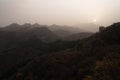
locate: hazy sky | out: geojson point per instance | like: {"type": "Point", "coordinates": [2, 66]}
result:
{"type": "Point", "coordinates": [68, 12]}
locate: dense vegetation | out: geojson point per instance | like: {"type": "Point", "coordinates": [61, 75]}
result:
{"type": "Point", "coordinates": [94, 58]}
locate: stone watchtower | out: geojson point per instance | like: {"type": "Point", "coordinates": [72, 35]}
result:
{"type": "Point", "coordinates": [101, 28]}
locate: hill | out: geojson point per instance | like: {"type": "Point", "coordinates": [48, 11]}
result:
{"type": "Point", "coordinates": [25, 55]}
{"type": "Point", "coordinates": [78, 36]}
{"type": "Point", "coordinates": [40, 31]}
{"type": "Point", "coordinates": [93, 58]}
{"type": "Point", "coordinates": [65, 31]}
{"type": "Point", "coordinates": [89, 27]}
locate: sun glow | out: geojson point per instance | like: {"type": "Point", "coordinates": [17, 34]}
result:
{"type": "Point", "coordinates": [62, 12]}
{"type": "Point", "coordinates": [94, 20]}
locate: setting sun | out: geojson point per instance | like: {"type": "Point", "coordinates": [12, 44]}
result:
{"type": "Point", "coordinates": [94, 20]}
{"type": "Point", "coordinates": [61, 12]}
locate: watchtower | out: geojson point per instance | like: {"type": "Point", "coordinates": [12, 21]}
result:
{"type": "Point", "coordinates": [101, 28]}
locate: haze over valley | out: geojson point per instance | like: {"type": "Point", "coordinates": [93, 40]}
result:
{"type": "Point", "coordinates": [59, 39]}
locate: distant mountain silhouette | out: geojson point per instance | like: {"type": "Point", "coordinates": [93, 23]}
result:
{"type": "Point", "coordinates": [28, 52]}
{"type": "Point", "coordinates": [47, 33]}
{"type": "Point", "coordinates": [40, 31]}
{"type": "Point", "coordinates": [88, 59]}
{"type": "Point", "coordinates": [90, 27]}
{"type": "Point", "coordinates": [64, 31]}
{"type": "Point", "coordinates": [78, 36]}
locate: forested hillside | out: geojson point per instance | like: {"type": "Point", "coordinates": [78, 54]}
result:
{"type": "Point", "coordinates": [28, 57]}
